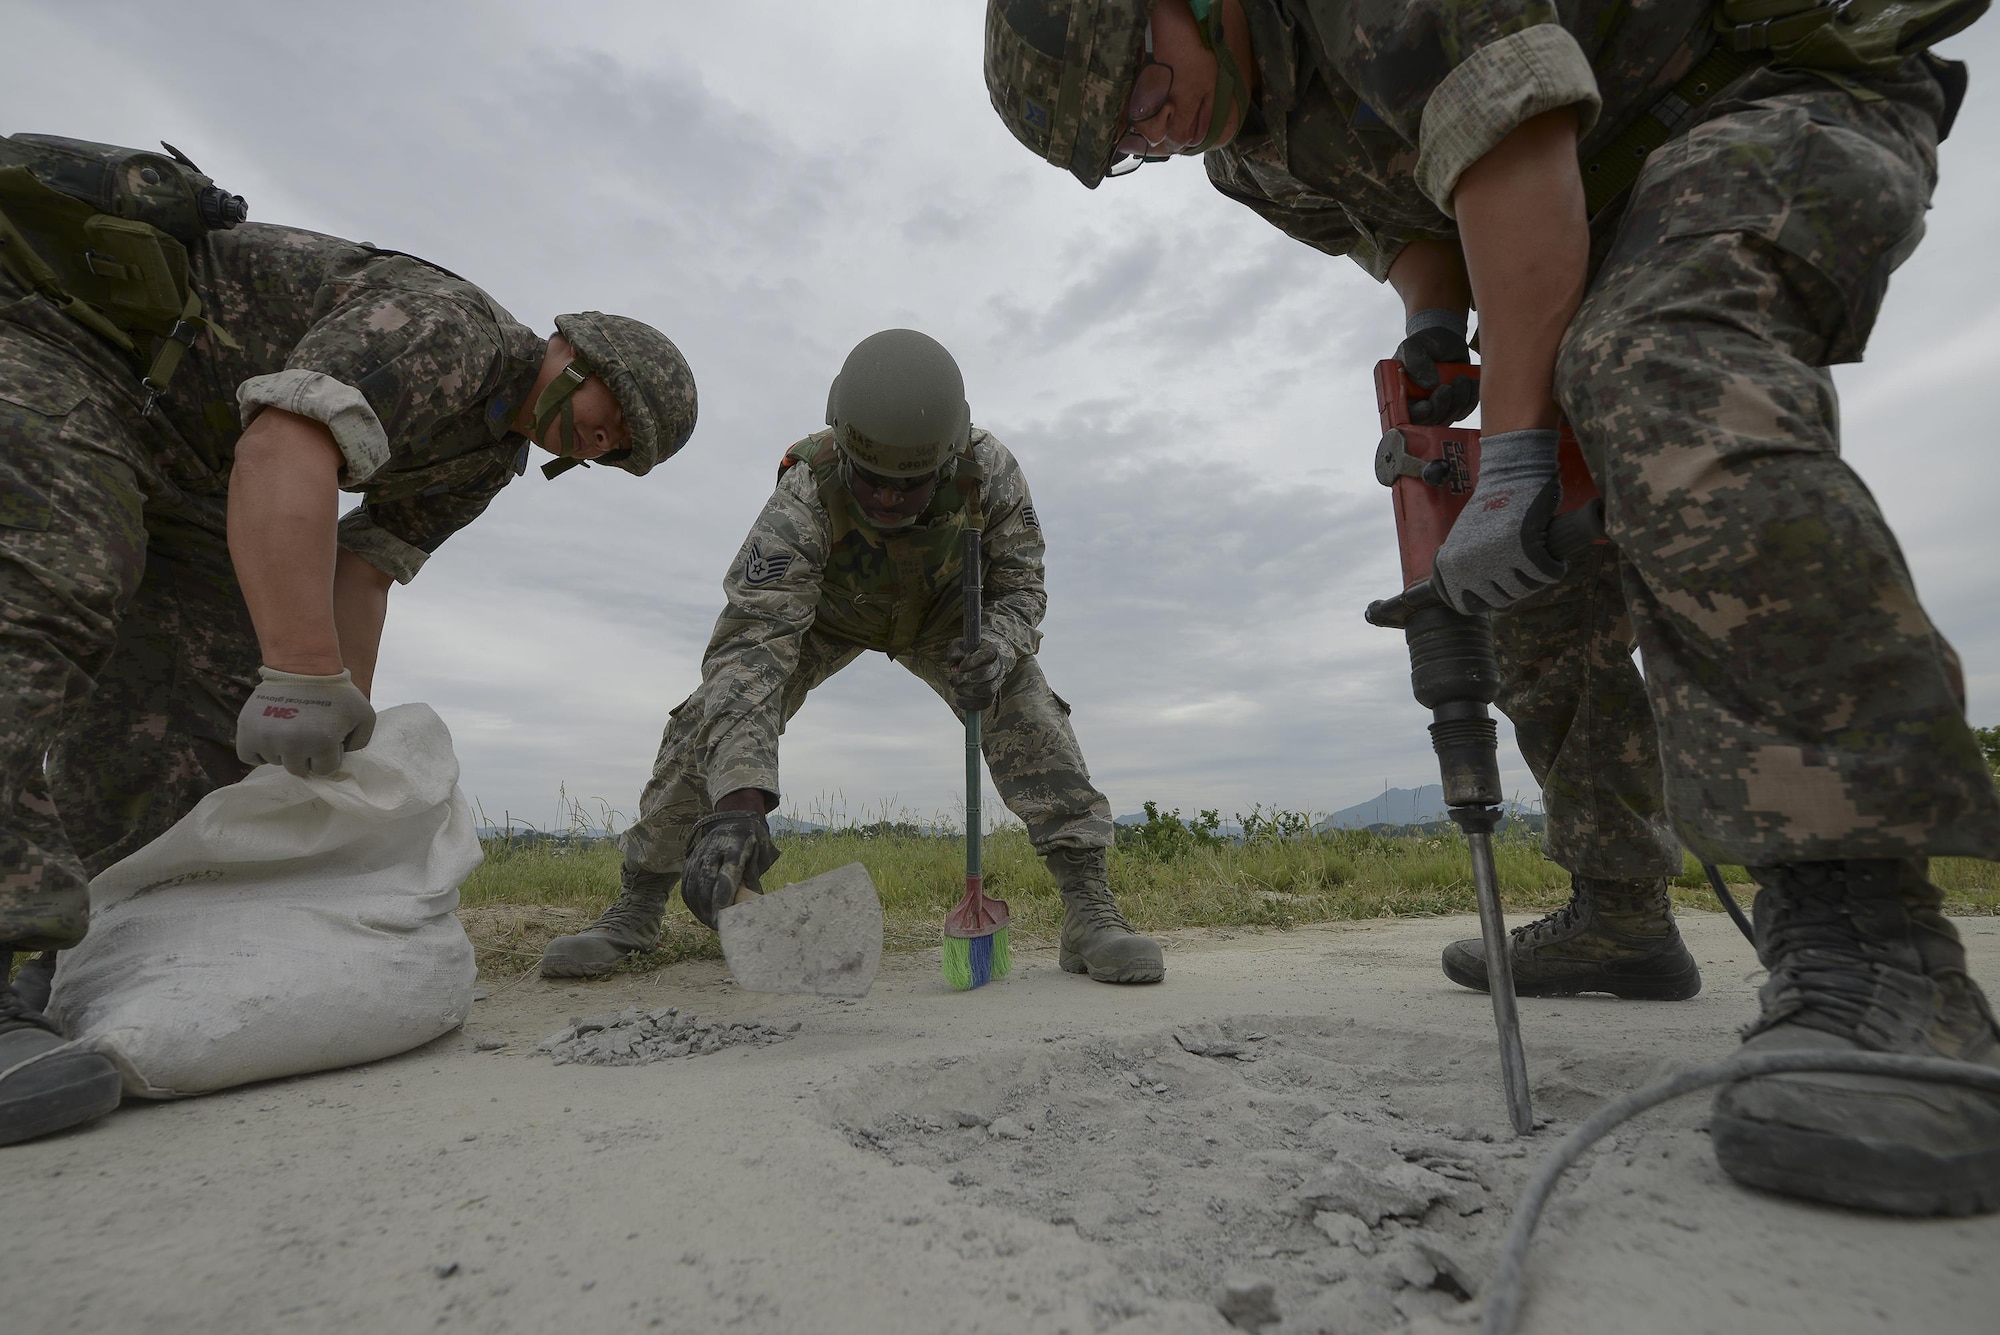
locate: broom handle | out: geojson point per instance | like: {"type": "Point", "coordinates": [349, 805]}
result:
{"type": "Point", "coordinates": [972, 581]}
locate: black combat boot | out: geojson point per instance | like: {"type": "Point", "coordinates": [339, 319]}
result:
{"type": "Point", "coordinates": [1612, 936]}
{"type": "Point", "coordinates": [42, 1087]}
{"type": "Point", "coordinates": [630, 925]}
{"type": "Point", "coordinates": [1096, 939]}
{"type": "Point", "coordinates": [1861, 959]}
{"type": "Point", "coordinates": [36, 979]}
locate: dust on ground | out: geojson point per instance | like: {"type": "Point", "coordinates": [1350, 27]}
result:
{"type": "Point", "coordinates": [1301, 1132]}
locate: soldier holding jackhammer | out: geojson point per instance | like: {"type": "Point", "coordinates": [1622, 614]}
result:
{"type": "Point", "coordinates": [859, 549]}
{"type": "Point", "coordinates": [181, 399]}
{"type": "Point", "coordinates": [1672, 218]}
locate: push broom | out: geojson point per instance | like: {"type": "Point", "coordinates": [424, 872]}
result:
{"type": "Point", "coordinates": [975, 933]}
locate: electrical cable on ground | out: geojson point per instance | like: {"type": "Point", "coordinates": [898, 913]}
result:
{"type": "Point", "coordinates": [1504, 1295]}
{"type": "Point", "coordinates": [1729, 902]}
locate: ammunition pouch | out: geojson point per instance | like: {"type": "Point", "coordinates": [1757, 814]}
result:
{"type": "Point", "coordinates": [102, 233]}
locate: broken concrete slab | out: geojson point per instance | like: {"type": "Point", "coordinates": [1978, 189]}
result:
{"type": "Point", "coordinates": [821, 936]}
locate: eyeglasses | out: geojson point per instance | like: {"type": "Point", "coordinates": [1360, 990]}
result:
{"type": "Point", "coordinates": [1149, 94]}
{"type": "Point", "coordinates": [856, 473]}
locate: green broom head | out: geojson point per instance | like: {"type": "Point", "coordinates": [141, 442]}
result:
{"type": "Point", "coordinates": [975, 940]}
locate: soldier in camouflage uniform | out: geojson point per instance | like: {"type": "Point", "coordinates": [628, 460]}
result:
{"type": "Point", "coordinates": [859, 548]}
{"type": "Point", "coordinates": [151, 560]}
{"type": "Point", "coordinates": [1672, 225]}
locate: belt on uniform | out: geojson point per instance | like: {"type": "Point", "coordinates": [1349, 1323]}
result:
{"type": "Point", "coordinates": [1610, 172]}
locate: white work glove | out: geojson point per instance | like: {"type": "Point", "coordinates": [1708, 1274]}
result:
{"type": "Point", "coordinates": [303, 723]}
{"type": "Point", "coordinates": [976, 676]}
{"type": "Point", "coordinates": [1498, 552]}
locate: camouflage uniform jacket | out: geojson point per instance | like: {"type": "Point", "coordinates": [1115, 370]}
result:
{"type": "Point", "coordinates": [1371, 110]}
{"type": "Point", "coordinates": [812, 563]}
{"type": "Point", "coordinates": [416, 372]}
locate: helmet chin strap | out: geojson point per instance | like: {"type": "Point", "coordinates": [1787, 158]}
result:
{"type": "Point", "coordinates": [557, 400]}
{"type": "Point", "coordinates": [1231, 90]}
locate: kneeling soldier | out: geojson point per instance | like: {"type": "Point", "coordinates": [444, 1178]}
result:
{"type": "Point", "coordinates": [858, 549]}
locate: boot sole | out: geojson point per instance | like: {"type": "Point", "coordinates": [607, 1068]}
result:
{"type": "Point", "coordinates": [1626, 987]}
{"type": "Point", "coordinates": [1859, 1174]}
{"type": "Point", "coordinates": [1131, 973]}
{"type": "Point", "coordinates": [90, 1095]}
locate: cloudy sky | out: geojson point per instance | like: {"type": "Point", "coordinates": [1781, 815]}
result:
{"type": "Point", "coordinates": [769, 181]}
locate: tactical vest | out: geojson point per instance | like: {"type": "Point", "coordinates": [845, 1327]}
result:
{"type": "Point", "coordinates": [102, 232]}
{"type": "Point", "coordinates": [890, 591]}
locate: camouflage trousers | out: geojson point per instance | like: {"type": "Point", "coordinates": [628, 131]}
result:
{"type": "Point", "coordinates": [1806, 708]}
{"type": "Point", "coordinates": [1583, 723]}
{"type": "Point", "coordinates": [125, 646]}
{"type": "Point", "coordinates": [1030, 751]}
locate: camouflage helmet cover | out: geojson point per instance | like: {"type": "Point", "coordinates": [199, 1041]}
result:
{"type": "Point", "coordinates": [1059, 73]}
{"type": "Point", "coordinates": [898, 407]}
{"type": "Point", "coordinates": [648, 377]}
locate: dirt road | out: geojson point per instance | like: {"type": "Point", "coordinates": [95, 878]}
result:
{"type": "Point", "coordinates": [1317, 1110]}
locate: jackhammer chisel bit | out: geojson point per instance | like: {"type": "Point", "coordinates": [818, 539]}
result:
{"type": "Point", "coordinates": [1454, 671]}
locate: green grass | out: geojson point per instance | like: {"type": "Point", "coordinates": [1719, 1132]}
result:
{"type": "Point", "coordinates": [522, 897]}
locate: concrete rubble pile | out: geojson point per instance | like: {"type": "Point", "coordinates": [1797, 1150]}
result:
{"type": "Point", "coordinates": [635, 1037]}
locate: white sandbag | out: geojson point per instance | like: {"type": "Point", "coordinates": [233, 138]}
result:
{"type": "Point", "coordinates": [285, 925]}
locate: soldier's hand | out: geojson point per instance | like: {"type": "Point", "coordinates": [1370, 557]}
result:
{"type": "Point", "coordinates": [1434, 338]}
{"type": "Point", "coordinates": [976, 676]}
{"type": "Point", "coordinates": [302, 722]}
{"type": "Point", "coordinates": [728, 852]}
{"type": "Point", "coordinates": [1497, 552]}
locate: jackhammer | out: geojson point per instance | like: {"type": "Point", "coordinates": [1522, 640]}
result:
{"type": "Point", "coordinates": [1454, 672]}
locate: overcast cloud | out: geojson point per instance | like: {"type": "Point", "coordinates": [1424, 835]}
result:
{"type": "Point", "coordinates": [770, 182]}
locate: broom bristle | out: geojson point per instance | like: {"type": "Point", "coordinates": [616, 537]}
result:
{"type": "Point", "coordinates": [974, 961]}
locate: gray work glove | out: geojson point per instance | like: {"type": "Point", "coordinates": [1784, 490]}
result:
{"type": "Point", "coordinates": [976, 676]}
{"type": "Point", "coordinates": [1432, 337]}
{"type": "Point", "coordinates": [728, 852]}
{"type": "Point", "coordinates": [1497, 552]}
{"type": "Point", "coordinates": [303, 723]}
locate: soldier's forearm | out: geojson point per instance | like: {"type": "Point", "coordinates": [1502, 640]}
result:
{"type": "Point", "coordinates": [282, 496]}
{"type": "Point", "coordinates": [360, 606]}
{"type": "Point", "coordinates": [1430, 275]}
{"type": "Point", "coordinates": [1527, 247]}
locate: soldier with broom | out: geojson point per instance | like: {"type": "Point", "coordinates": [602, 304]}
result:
{"type": "Point", "coordinates": [859, 548]}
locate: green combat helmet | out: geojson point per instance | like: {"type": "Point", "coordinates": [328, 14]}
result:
{"type": "Point", "coordinates": [646, 375]}
{"type": "Point", "coordinates": [1059, 72]}
{"type": "Point", "coordinates": [898, 407]}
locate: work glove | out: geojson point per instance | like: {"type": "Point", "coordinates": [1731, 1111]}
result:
{"type": "Point", "coordinates": [1497, 552]}
{"type": "Point", "coordinates": [303, 723]}
{"type": "Point", "coordinates": [729, 852]}
{"type": "Point", "coordinates": [1432, 337]}
{"type": "Point", "coordinates": [976, 676]}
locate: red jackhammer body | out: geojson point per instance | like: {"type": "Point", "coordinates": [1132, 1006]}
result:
{"type": "Point", "coordinates": [1431, 471]}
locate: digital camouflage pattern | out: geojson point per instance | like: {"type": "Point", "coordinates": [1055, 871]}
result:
{"type": "Point", "coordinates": [1807, 708]}
{"type": "Point", "coordinates": [1371, 110]}
{"type": "Point", "coordinates": [127, 650]}
{"type": "Point", "coordinates": [1584, 725]}
{"type": "Point", "coordinates": [648, 377]}
{"type": "Point", "coordinates": [813, 588]}
{"type": "Point", "coordinates": [1059, 73]}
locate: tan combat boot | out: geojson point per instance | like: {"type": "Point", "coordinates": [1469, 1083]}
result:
{"type": "Point", "coordinates": [1615, 936]}
{"type": "Point", "coordinates": [631, 924]}
{"type": "Point", "coordinates": [1096, 939]}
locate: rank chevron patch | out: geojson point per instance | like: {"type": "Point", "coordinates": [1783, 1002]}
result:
{"type": "Point", "coordinates": [761, 569]}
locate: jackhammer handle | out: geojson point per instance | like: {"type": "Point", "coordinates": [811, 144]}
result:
{"type": "Point", "coordinates": [1569, 536]}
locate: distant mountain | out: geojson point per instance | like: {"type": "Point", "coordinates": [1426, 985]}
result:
{"type": "Point", "coordinates": [793, 825]}
{"type": "Point", "coordinates": [1406, 806]}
